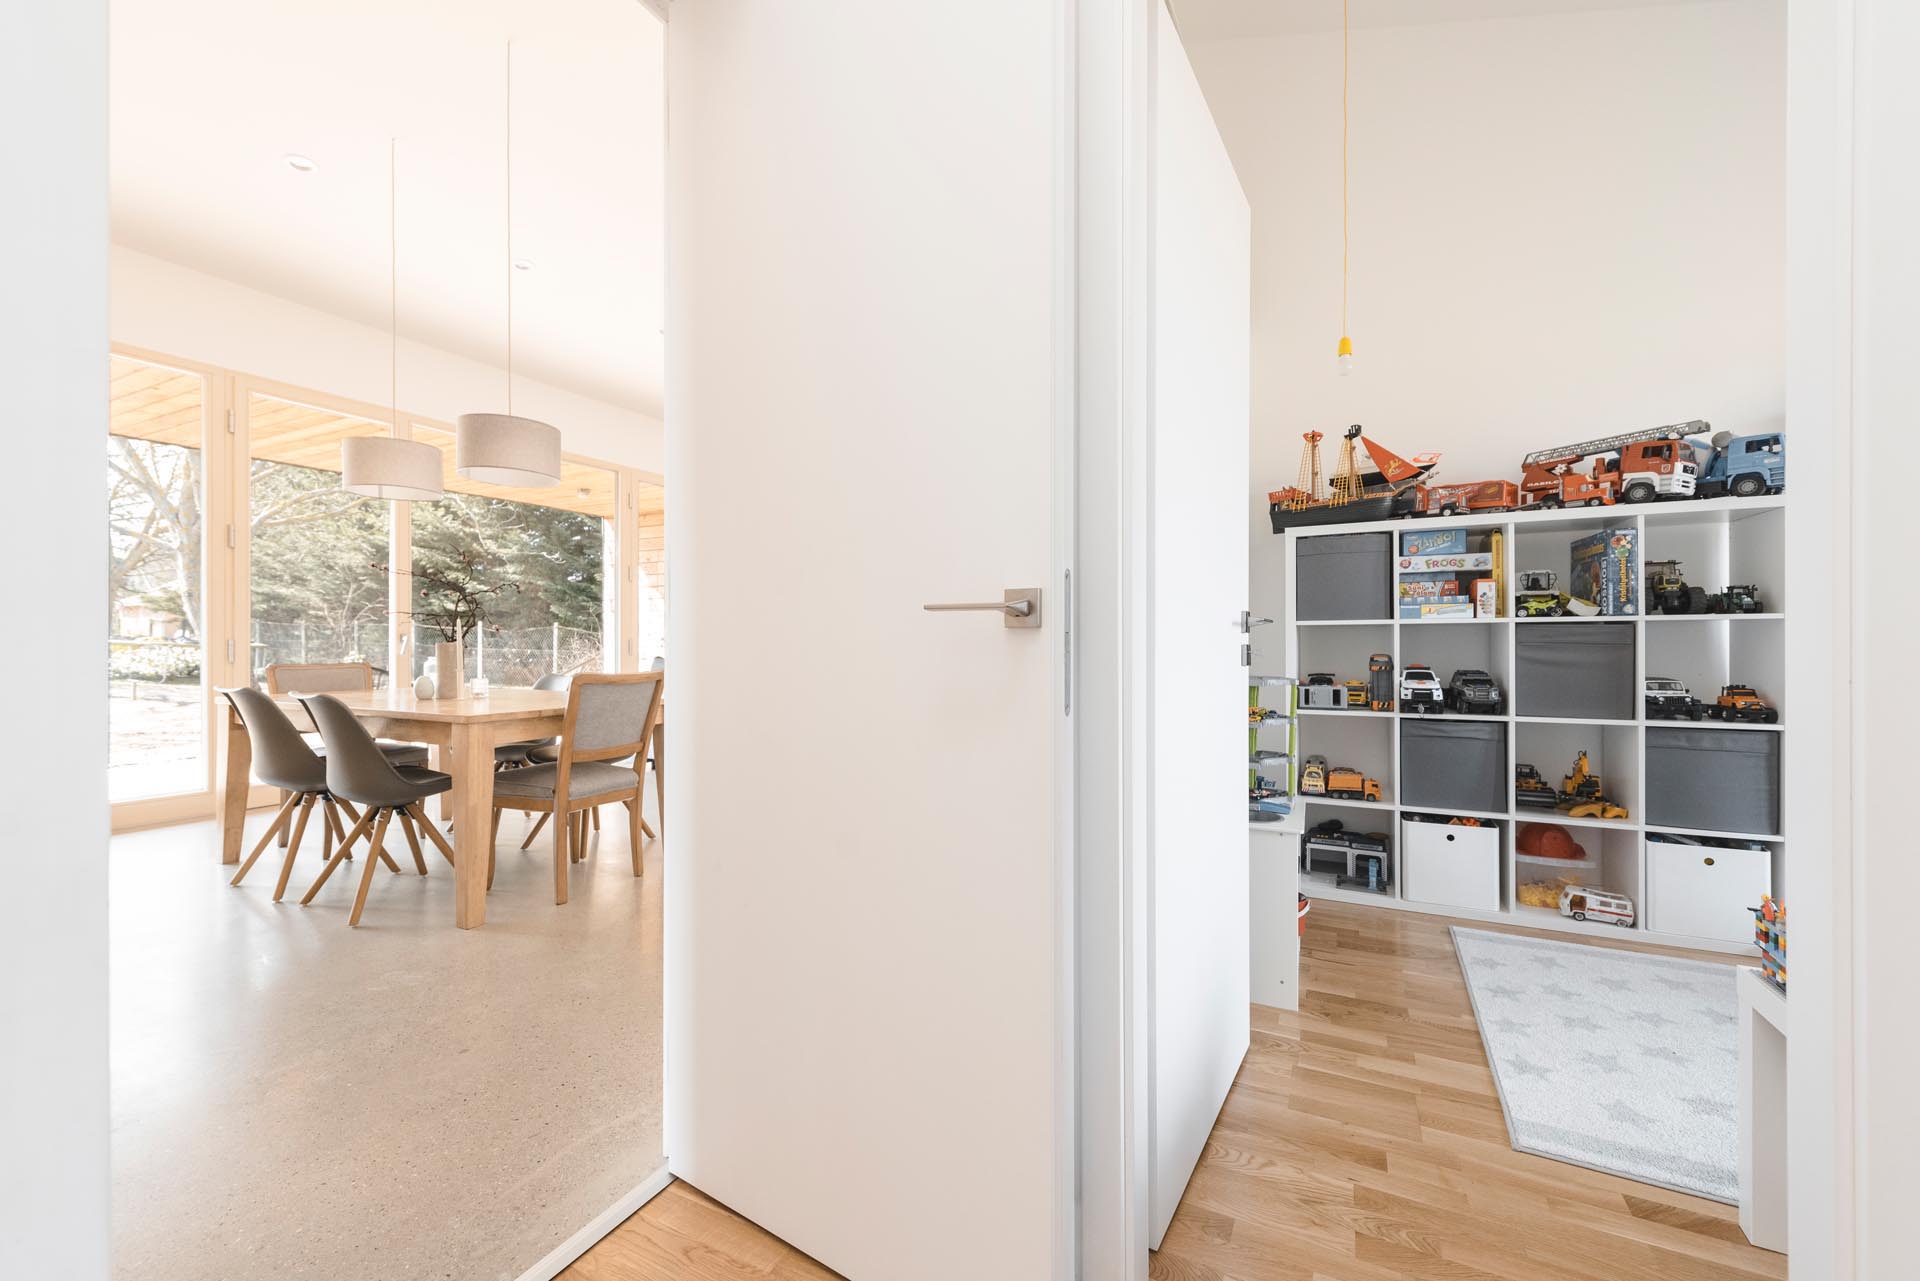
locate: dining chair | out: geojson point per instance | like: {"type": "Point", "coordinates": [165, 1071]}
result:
{"type": "Point", "coordinates": [282, 759]}
{"type": "Point", "coordinates": [610, 717]}
{"type": "Point", "coordinates": [359, 771]}
{"type": "Point", "coordinates": [522, 753]}
{"type": "Point", "coordinates": [335, 678]}
{"type": "Point", "coordinates": [549, 752]}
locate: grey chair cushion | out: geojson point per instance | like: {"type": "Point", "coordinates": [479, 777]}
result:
{"type": "Point", "coordinates": [611, 715]}
{"type": "Point", "coordinates": [589, 778]}
{"type": "Point", "coordinates": [543, 753]}
{"type": "Point", "coordinates": [428, 782]}
{"type": "Point", "coordinates": [403, 753]}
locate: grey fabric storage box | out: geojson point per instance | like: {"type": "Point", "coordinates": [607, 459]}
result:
{"type": "Point", "coordinates": [1581, 671]}
{"type": "Point", "coordinates": [1344, 576]}
{"type": "Point", "coordinates": [1449, 766]}
{"type": "Point", "coordinates": [1717, 780]}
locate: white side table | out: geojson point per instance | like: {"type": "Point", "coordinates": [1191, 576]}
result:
{"type": "Point", "coordinates": [1763, 1110]}
{"type": "Point", "coordinates": [1273, 851]}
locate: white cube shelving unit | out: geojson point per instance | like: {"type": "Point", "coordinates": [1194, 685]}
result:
{"type": "Point", "coordinates": [1721, 541]}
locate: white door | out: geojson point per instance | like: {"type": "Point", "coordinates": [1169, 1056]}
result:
{"type": "Point", "coordinates": [1198, 531]}
{"type": "Point", "coordinates": [862, 913]}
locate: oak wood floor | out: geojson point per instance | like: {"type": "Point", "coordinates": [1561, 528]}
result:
{"type": "Point", "coordinates": [1362, 1141]}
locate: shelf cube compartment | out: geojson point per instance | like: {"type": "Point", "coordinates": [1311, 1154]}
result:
{"type": "Point", "coordinates": [1344, 576]}
{"type": "Point", "coordinates": [1454, 765]}
{"type": "Point", "coordinates": [1575, 671]}
{"type": "Point", "coordinates": [1449, 864]}
{"type": "Point", "coordinates": [1613, 754]}
{"type": "Point", "coordinates": [1704, 890]}
{"type": "Point", "coordinates": [1713, 780]}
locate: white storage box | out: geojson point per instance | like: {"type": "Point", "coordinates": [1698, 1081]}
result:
{"type": "Point", "coordinates": [1450, 865]}
{"type": "Point", "coordinates": [1705, 891]}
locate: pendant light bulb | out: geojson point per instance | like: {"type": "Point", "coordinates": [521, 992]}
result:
{"type": "Point", "coordinates": [1345, 358]}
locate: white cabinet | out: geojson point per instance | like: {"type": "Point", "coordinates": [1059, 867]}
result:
{"type": "Point", "coordinates": [1705, 891]}
{"type": "Point", "coordinates": [1450, 865]}
{"type": "Point", "coordinates": [1274, 878]}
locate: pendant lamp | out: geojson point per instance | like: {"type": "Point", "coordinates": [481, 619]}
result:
{"type": "Point", "coordinates": [507, 449]}
{"type": "Point", "coordinates": [387, 466]}
{"type": "Point", "coordinates": [1344, 353]}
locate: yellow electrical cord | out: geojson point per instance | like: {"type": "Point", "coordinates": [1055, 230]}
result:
{"type": "Point", "coordinates": [1346, 74]}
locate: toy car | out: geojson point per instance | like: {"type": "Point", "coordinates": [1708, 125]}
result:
{"type": "Point", "coordinates": [1258, 715]}
{"type": "Point", "coordinates": [1313, 776]}
{"type": "Point", "coordinates": [1740, 703]}
{"type": "Point", "coordinates": [1738, 598]}
{"type": "Point", "coordinates": [1420, 690]}
{"type": "Point", "coordinates": [1669, 700]}
{"type": "Point", "coordinates": [1348, 784]}
{"type": "Point", "coordinates": [1538, 595]}
{"type": "Point", "coordinates": [1319, 690]}
{"type": "Point", "coordinates": [1380, 682]}
{"type": "Point", "coordinates": [1668, 592]}
{"type": "Point", "coordinates": [1472, 692]}
{"type": "Point", "coordinates": [1530, 789]}
{"type": "Point", "coordinates": [1585, 903]}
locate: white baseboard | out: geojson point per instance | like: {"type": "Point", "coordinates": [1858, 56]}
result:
{"type": "Point", "coordinates": [602, 1223]}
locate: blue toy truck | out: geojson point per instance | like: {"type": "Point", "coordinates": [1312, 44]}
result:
{"type": "Point", "coordinates": [1740, 465]}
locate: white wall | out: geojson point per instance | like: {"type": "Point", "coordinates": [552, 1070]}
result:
{"type": "Point", "coordinates": [1201, 966]}
{"type": "Point", "coordinates": [54, 1221]}
{"type": "Point", "coordinates": [1561, 225]}
{"type": "Point", "coordinates": [178, 311]}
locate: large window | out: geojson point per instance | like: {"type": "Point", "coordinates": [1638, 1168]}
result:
{"type": "Point", "coordinates": [156, 606]}
{"type": "Point", "coordinates": [539, 558]}
{"type": "Point", "coordinates": [319, 555]}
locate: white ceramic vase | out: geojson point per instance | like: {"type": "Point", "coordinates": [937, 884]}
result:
{"type": "Point", "coordinates": [450, 670]}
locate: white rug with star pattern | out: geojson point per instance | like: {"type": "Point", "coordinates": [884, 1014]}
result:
{"type": "Point", "coordinates": [1615, 1060]}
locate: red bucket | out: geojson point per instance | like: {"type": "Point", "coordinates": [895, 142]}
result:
{"type": "Point", "coordinates": [1306, 905]}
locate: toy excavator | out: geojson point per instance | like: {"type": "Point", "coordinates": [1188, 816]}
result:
{"type": "Point", "coordinates": [1580, 795]}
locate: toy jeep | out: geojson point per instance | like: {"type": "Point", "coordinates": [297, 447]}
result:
{"type": "Point", "coordinates": [1319, 690]}
{"type": "Point", "coordinates": [1530, 789]}
{"type": "Point", "coordinates": [1669, 700]}
{"type": "Point", "coordinates": [1420, 690]}
{"type": "Point", "coordinates": [1668, 592]}
{"type": "Point", "coordinates": [1538, 595]}
{"type": "Point", "coordinates": [1739, 598]}
{"type": "Point", "coordinates": [1472, 692]}
{"type": "Point", "coordinates": [1740, 703]}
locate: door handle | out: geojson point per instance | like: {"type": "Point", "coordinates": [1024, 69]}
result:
{"type": "Point", "coordinates": [1019, 607]}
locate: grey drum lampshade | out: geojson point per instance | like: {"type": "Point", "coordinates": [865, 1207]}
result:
{"type": "Point", "coordinates": [506, 449]}
{"type": "Point", "coordinates": [387, 467]}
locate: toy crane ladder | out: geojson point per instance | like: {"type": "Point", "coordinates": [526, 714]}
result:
{"type": "Point", "coordinates": [1607, 444]}
{"type": "Point", "coordinates": [1307, 487]}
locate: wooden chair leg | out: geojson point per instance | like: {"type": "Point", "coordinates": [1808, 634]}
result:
{"type": "Point", "coordinates": [266, 837]}
{"type": "Point", "coordinates": [562, 855]}
{"type": "Point", "coordinates": [293, 846]}
{"type": "Point", "coordinates": [633, 830]}
{"type": "Point", "coordinates": [419, 811]}
{"type": "Point", "coordinates": [413, 843]}
{"type": "Point", "coordinates": [353, 816]}
{"type": "Point", "coordinates": [643, 824]}
{"type": "Point", "coordinates": [528, 843]}
{"type": "Point", "coordinates": [339, 856]}
{"type": "Point", "coordinates": [496, 830]}
{"type": "Point", "coordinates": [660, 790]}
{"type": "Point", "coordinates": [366, 876]}
{"type": "Point", "coordinates": [492, 850]}
{"type": "Point", "coordinates": [595, 811]}
{"type": "Point", "coordinates": [291, 796]}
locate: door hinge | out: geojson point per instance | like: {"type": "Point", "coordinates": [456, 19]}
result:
{"type": "Point", "coordinates": [1066, 643]}
{"type": "Point", "coordinates": [1246, 653]}
{"type": "Point", "coordinates": [231, 541]}
{"type": "Point", "coordinates": [229, 422]}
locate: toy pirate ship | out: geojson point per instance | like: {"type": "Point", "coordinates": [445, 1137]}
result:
{"type": "Point", "coordinates": [1388, 488]}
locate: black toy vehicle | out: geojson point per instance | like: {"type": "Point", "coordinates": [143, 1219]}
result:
{"type": "Point", "coordinates": [1669, 700]}
{"type": "Point", "coordinates": [1472, 692]}
{"type": "Point", "coordinates": [1739, 598]}
{"type": "Point", "coordinates": [1335, 832]}
{"type": "Point", "coordinates": [1530, 789]}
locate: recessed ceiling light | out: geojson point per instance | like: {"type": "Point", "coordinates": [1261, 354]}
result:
{"type": "Point", "coordinates": [523, 264]}
{"type": "Point", "coordinates": [583, 492]}
{"type": "Point", "coordinates": [301, 163]}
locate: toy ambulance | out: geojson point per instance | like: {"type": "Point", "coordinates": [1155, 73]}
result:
{"type": "Point", "coordinates": [1585, 903]}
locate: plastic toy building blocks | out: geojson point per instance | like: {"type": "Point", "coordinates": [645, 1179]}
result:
{"type": "Point", "coordinates": [1770, 936]}
{"type": "Point", "coordinates": [1420, 690]}
{"type": "Point", "coordinates": [1472, 692]}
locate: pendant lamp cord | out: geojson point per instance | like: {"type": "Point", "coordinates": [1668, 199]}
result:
{"type": "Point", "coordinates": [509, 227]}
{"type": "Point", "coordinates": [393, 288]}
{"type": "Point", "coordinates": [1345, 77]}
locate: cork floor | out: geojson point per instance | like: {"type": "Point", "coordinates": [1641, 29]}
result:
{"type": "Point", "coordinates": [296, 1099]}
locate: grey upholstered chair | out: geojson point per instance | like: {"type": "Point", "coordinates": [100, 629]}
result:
{"type": "Point", "coordinates": [359, 772]}
{"type": "Point", "coordinates": [282, 759]}
{"type": "Point", "coordinates": [610, 717]}
{"type": "Point", "coordinates": [534, 750]}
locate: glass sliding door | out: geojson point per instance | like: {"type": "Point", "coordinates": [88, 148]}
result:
{"type": "Point", "coordinates": [157, 627]}
{"type": "Point", "coordinates": [541, 559]}
{"type": "Point", "coordinates": [650, 569]}
{"type": "Point", "coordinates": [318, 557]}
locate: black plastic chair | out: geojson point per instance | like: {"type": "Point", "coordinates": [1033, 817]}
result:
{"type": "Point", "coordinates": [358, 771]}
{"type": "Point", "coordinates": [282, 759]}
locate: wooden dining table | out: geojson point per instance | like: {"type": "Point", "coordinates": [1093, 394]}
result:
{"type": "Point", "coordinates": [460, 734]}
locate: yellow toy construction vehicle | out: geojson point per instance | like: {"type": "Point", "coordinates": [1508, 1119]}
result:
{"type": "Point", "coordinates": [1580, 794]}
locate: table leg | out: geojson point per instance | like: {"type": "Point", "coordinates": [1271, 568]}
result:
{"type": "Point", "coordinates": [473, 821]}
{"type": "Point", "coordinates": [1763, 1130]}
{"type": "Point", "coordinates": [231, 783]}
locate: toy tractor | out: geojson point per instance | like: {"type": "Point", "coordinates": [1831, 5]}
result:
{"type": "Point", "coordinates": [1668, 591]}
{"type": "Point", "coordinates": [1580, 794]}
{"type": "Point", "coordinates": [1739, 598]}
{"type": "Point", "coordinates": [1530, 789]}
{"type": "Point", "coordinates": [1538, 595]}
